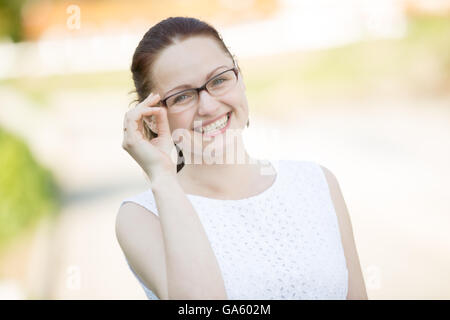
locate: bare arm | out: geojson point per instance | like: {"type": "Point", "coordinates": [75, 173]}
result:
{"type": "Point", "coordinates": [191, 269]}
{"type": "Point", "coordinates": [138, 232]}
{"type": "Point", "coordinates": [356, 286]}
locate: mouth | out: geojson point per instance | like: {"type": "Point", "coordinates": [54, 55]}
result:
{"type": "Point", "coordinates": [215, 129]}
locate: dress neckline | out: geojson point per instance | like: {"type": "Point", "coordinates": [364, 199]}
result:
{"type": "Point", "coordinates": [263, 193]}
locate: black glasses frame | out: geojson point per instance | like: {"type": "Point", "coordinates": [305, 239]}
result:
{"type": "Point", "coordinates": [203, 87]}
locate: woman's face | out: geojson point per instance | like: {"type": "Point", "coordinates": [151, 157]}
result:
{"type": "Point", "coordinates": [193, 62]}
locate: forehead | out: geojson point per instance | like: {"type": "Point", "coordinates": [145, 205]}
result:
{"type": "Point", "coordinates": [188, 62]}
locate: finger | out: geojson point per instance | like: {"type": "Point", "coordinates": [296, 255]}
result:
{"type": "Point", "coordinates": [162, 122]}
{"type": "Point", "coordinates": [150, 100]}
{"type": "Point", "coordinates": [127, 124]}
{"type": "Point", "coordinates": [136, 113]}
{"type": "Point", "coordinates": [135, 117]}
{"type": "Point", "coordinates": [138, 123]}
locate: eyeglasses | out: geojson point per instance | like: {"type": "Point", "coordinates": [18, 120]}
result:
{"type": "Point", "coordinates": [188, 98]}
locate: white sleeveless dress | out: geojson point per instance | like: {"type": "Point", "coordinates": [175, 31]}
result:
{"type": "Point", "coordinates": [282, 244]}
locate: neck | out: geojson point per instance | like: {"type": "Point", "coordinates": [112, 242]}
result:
{"type": "Point", "coordinates": [216, 178]}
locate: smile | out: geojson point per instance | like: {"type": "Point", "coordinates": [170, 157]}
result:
{"type": "Point", "coordinates": [216, 128]}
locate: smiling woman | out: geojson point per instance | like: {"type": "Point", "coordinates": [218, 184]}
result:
{"type": "Point", "coordinates": [240, 229]}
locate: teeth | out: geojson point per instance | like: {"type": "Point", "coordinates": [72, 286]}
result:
{"type": "Point", "coordinates": [219, 124]}
{"type": "Point", "coordinates": [216, 128]}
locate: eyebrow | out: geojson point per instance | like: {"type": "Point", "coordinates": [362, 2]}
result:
{"type": "Point", "coordinates": [186, 86]}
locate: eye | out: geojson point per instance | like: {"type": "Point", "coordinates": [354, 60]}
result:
{"type": "Point", "coordinates": [217, 81]}
{"type": "Point", "coordinates": [178, 98]}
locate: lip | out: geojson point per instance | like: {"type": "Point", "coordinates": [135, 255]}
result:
{"type": "Point", "coordinates": [211, 121]}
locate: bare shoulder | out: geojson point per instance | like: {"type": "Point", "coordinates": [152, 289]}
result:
{"type": "Point", "coordinates": [130, 217]}
{"type": "Point", "coordinates": [331, 179]}
{"type": "Point", "coordinates": [138, 232]}
{"type": "Point", "coordinates": [336, 195]}
{"type": "Point", "coordinates": [356, 287]}
{"type": "Point", "coordinates": [131, 213]}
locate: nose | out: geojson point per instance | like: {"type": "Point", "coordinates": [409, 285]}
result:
{"type": "Point", "coordinates": [207, 104]}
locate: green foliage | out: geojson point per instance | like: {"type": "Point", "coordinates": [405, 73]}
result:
{"type": "Point", "coordinates": [432, 32]}
{"type": "Point", "coordinates": [11, 19]}
{"type": "Point", "coordinates": [27, 191]}
{"type": "Point", "coordinates": [39, 90]}
{"type": "Point", "coordinates": [418, 62]}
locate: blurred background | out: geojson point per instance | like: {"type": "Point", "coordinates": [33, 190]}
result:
{"type": "Point", "coordinates": [361, 87]}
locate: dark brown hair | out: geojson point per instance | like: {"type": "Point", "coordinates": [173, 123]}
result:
{"type": "Point", "coordinates": [155, 40]}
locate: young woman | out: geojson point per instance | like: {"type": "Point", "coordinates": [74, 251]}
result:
{"type": "Point", "coordinates": [215, 226]}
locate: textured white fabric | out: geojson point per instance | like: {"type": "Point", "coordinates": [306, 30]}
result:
{"type": "Point", "coordinates": [283, 243]}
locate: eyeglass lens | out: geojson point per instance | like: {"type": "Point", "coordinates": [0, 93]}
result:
{"type": "Point", "coordinates": [216, 86]}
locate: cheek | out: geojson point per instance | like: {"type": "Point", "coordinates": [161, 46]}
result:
{"type": "Point", "coordinates": [237, 99]}
{"type": "Point", "coordinates": [176, 124]}
{"type": "Point", "coordinates": [181, 122]}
